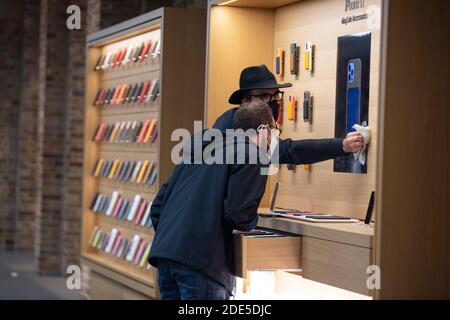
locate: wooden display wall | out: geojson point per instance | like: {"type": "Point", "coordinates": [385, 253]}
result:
{"type": "Point", "coordinates": [110, 78]}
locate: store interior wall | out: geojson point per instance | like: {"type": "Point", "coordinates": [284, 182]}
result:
{"type": "Point", "coordinates": [42, 82]}
{"type": "Point", "coordinates": [320, 188]}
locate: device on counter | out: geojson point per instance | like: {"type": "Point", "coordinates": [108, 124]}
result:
{"type": "Point", "coordinates": [274, 196]}
{"type": "Point", "coordinates": [299, 214]}
{"type": "Point", "coordinates": [279, 212]}
{"type": "Point", "coordinates": [370, 209]}
{"type": "Point", "coordinates": [257, 233]}
{"type": "Point", "coordinates": [324, 218]}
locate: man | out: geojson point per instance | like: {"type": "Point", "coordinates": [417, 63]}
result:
{"type": "Point", "coordinates": [258, 84]}
{"type": "Point", "coordinates": [197, 209]}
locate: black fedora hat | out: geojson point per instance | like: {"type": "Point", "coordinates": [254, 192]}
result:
{"type": "Point", "coordinates": [257, 77]}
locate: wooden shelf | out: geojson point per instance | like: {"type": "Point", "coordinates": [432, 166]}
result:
{"type": "Point", "coordinates": [141, 109]}
{"type": "Point", "coordinates": [128, 147]}
{"type": "Point", "coordinates": [135, 70]}
{"type": "Point", "coordinates": [128, 185]}
{"type": "Point", "coordinates": [124, 224]}
{"type": "Point", "coordinates": [131, 271]}
{"type": "Point", "coordinates": [184, 38]}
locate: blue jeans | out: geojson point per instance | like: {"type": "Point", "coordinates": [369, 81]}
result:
{"type": "Point", "coordinates": [179, 282]}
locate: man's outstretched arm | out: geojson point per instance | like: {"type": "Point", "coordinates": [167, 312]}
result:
{"type": "Point", "coordinates": [310, 151]}
{"type": "Point", "coordinates": [318, 150]}
{"type": "Point", "coordinates": [304, 151]}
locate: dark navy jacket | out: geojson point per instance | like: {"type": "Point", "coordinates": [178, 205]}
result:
{"type": "Point", "coordinates": [294, 152]}
{"type": "Point", "coordinates": [197, 209]}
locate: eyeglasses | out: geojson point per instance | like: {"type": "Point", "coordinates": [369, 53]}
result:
{"type": "Point", "coordinates": [266, 97]}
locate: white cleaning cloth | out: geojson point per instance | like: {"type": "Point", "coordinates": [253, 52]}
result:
{"type": "Point", "coordinates": [366, 133]}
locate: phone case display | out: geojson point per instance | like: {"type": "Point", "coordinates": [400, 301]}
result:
{"type": "Point", "coordinates": [133, 54]}
{"type": "Point", "coordinates": [307, 107]}
{"type": "Point", "coordinates": [123, 134]}
{"type": "Point", "coordinates": [129, 120]}
{"type": "Point", "coordinates": [294, 59]}
{"type": "Point", "coordinates": [133, 210]}
{"type": "Point", "coordinates": [127, 132]}
{"type": "Point", "coordinates": [128, 94]}
{"type": "Point", "coordinates": [131, 171]}
{"type": "Point", "coordinates": [292, 108]}
{"type": "Point", "coordinates": [279, 62]}
{"type": "Point", "coordinates": [309, 57]}
{"type": "Point", "coordinates": [114, 244]}
{"type": "Point", "coordinates": [279, 119]}
{"type": "Point", "coordinates": [352, 97]}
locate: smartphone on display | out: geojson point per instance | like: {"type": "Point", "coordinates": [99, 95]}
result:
{"type": "Point", "coordinates": [353, 94]}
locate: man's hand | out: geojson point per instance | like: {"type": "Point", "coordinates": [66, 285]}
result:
{"type": "Point", "coordinates": [353, 143]}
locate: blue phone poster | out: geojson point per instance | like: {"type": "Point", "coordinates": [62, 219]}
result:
{"type": "Point", "coordinates": [352, 93]}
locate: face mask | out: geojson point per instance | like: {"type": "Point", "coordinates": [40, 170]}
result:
{"type": "Point", "coordinates": [275, 108]}
{"type": "Point", "coordinates": [273, 141]}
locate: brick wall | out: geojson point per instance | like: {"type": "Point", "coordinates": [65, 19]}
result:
{"type": "Point", "coordinates": [42, 112]}
{"type": "Point", "coordinates": [115, 11]}
{"type": "Point", "coordinates": [10, 66]}
{"type": "Point", "coordinates": [93, 16]}
{"type": "Point", "coordinates": [73, 146]}
{"type": "Point", "coordinates": [26, 201]}
{"type": "Point", "coordinates": [104, 13]}
{"type": "Point", "coordinates": [52, 112]}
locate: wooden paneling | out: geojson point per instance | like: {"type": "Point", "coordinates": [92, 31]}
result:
{"type": "Point", "coordinates": [413, 238]}
{"type": "Point", "coordinates": [340, 265]}
{"type": "Point", "coordinates": [92, 118]}
{"type": "Point", "coordinates": [183, 78]}
{"type": "Point", "coordinates": [322, 190]}
{"type": "Point", "coordinates": [239, 38]}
